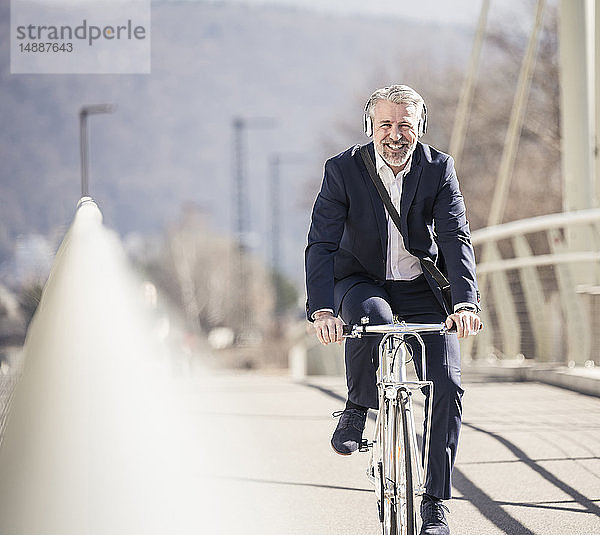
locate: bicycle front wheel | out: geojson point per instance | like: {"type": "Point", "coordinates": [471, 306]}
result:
{"type": "Point", "coordinates": [396, 485]}
{"type": "Point", "coordinates": [406, 496]}
{"type": "Point", "coordinates": [388, 466]}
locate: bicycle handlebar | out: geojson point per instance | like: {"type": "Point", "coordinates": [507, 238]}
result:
{"type": "Point", "coordinates": [358, 330]}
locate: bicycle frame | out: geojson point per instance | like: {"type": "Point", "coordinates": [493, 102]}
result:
{"type": "Point", "coordinates": [392, 383]}
{"type": "Point", "coordinates": [393, 486]}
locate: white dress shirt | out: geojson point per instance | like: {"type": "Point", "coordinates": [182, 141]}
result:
{"type": "Point", "coordinates": [400, 264]}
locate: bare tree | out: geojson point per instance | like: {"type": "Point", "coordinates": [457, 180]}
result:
{"type": "Point", "coordinates": [198, 269]}
{"type": "Point", "coordinates": [536, 182]}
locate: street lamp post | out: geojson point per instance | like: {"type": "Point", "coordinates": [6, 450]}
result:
{"type": "Point", "coordinates": [241, 223]}
{"type": "Point", "coordinates": [276, 200]}
{"type": "Point", "coordinates": [83, 141]}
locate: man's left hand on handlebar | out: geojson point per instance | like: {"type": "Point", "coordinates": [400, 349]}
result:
{"type": "Point", "coordinates": [466, 323]}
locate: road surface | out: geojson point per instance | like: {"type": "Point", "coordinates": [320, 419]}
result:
{"type": "Point", "coordinates": [529, 459]}
{"type": "Point", "coordinates": [254, 457]}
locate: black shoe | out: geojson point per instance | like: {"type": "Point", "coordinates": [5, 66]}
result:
{"type": "Point", "coordinates": [433, 513]}
{"type": "Point", "coordinates": [348, 433]}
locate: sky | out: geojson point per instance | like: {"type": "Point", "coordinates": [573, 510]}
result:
{"type": "Point", "coordinates": [440, 11]}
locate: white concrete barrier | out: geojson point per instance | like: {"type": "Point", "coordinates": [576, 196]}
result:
{"type": "Point", "coordinates": [93, 443]}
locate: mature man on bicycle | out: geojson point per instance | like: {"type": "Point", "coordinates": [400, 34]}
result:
{"type": "Point", "coordinates": [359, 263]}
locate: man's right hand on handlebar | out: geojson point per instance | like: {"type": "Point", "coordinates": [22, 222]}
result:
{"type": "Point", "coordinates": [466, 323]}
{"type": "Point", "coordinates": [328, 327]}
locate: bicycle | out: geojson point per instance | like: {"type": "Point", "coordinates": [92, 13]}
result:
{"type": "Point", "coordinates": [394, 468]}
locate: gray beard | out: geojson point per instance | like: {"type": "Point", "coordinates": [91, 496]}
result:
{"type": "Point", "coordinates": [394, 161]}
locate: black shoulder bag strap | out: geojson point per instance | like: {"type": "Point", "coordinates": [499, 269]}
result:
{"type": "Point", "coordinates": [426, 263]}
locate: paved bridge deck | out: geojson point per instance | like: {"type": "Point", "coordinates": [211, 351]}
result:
{"type": "Point", "coordinates": [257, 460]}
{"type": "Point", "coordinates": [529, 460]}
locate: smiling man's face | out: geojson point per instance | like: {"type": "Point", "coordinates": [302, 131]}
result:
{"type": "Point", "coordinates": [395, 132]}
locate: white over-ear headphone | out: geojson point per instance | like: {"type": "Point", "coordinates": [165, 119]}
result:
{"type": "Point", "coordinates": [367, 121]}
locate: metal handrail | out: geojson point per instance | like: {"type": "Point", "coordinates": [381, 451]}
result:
{"type": "Point", "coordinates": [535, 224]}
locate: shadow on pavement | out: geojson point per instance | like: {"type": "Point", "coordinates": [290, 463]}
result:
{"type": "Point", "coordinates": [290, 483]}
{"type": "Point", "coordinates": [488, 507]}
{"type": "Point", "coordinates": [546, 474]}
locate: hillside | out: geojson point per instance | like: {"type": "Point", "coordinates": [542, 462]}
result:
{"type": "Point", "coordinates": [170, 140]}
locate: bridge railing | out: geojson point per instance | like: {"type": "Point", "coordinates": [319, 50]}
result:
{"type": "Point", "coordinates": [539, 284]}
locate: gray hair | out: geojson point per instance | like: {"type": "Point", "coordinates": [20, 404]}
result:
{"type": "Point", "coordinates": [399, 94]}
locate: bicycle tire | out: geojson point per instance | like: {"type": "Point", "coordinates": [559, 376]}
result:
{"type": "Point", "coordinates": [408, 509]}
{"type": "Point", "coordinates": [397, 501]}
{"type": "Point", "coordinates": [388, 503]}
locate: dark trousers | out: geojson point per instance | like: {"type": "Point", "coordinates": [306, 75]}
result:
{"type": "Point", "coordinates": [413, 301]}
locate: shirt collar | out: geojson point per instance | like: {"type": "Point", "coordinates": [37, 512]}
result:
{"type": "Point", "coordinates": [380, 163]}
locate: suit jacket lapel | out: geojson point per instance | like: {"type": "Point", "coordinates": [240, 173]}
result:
{"type": "Point", "coordinates": [378, 206]}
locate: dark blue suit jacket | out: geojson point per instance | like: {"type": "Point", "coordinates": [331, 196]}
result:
{"type": "Point", "coordinates": [347, 240]}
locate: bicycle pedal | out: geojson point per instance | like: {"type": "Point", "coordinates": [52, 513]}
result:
{"type": "Point", "coordinates": [365, 445]}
